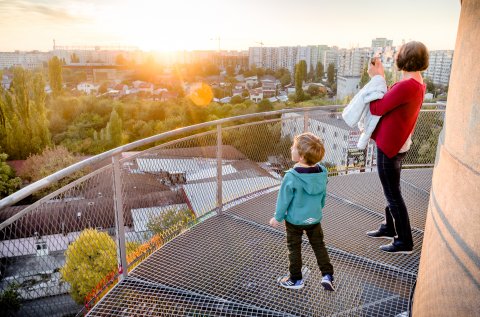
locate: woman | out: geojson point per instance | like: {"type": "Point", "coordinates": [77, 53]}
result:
{"type": "Point", "coordinates": [399, 109]}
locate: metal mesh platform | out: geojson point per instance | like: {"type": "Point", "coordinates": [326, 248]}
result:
{"type": "Point", "coordinates": [228, 264]}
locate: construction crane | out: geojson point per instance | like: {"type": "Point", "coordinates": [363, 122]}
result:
{"type": "Point", "coordinates": [261, 43]}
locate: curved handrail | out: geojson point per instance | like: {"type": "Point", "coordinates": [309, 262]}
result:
{"type": "Point", "coordinates": [48, 180]}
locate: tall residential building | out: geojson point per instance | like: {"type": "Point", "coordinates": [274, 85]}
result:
{"type": "Point", "coordinates": [288, 56]}
{"type": "Point", "coordinates": [381, 42]}
{"type": "Point", "coordinates": [440, 66]}
{"type": "Point", "coordinates": [352, 61]}
{"type": "Point", "coordinates": [331, 57]}
{"type": "Point", "coordinates": [28, 60]}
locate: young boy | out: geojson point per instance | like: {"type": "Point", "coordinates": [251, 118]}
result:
{"type": "Point", "coordinates": [300, 201]}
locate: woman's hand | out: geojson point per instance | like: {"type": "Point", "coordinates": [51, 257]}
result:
{"type": "Point", "coordinates": [274, 223]}
{"type": "Point", "coordinates": [376, 68]}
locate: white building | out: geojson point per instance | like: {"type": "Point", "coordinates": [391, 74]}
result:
{"type": "Point", "coordinates": [352, 61]}
{"type": "Point", "coordinates": [440, 66]}
{"type": "Point", "coordinates": [339, 139]}
{"type": "Point", "coordinates": [347, 86]}
{"type": "Point", "coordinates": [256, 95]}
{"type": "Point", "coordinates": [381, 42]}
{"type": "Point", "coordinates": [27, 60]}
{"type": "Point", "coordinates": [87, 88]}
{"type": "Point", "coordinates": [288, 56]}
{"type": "Point", "coordinates": [331, 57]}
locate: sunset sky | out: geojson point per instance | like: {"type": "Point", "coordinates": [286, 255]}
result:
{"type": "Point", "coordinates": [192, 24]}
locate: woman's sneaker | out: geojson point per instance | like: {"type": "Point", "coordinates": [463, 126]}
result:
{"type": "Point", "coordinates": [327, 282]}
{"type": "Point", "coordinates": [396, 248]}
{"type": "Point", "coordinates": [380, 234]}
{"type": "Point", "coordinates": [287, 282]}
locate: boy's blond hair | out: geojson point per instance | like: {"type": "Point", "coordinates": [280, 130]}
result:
{"type": "Point", "coordinates": [310, 147]}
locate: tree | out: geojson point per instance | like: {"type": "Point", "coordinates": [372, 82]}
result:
{"type": "Point", "coordinates": [103, 88]}
{"type": "Point", "coordinates": [87, 261]}
{"type": "Point", "coordinates": [230, 71]}
{"type": "Point", "coordinates": [236, 100]}
{"type": "Point", "coordinates": [120, 60]}
{"type": "Point", "coordinates": [74, 58]}
{"type": "Point", "coordinates": [315, 90]}
{"type": "Point", "coordinates": [303, 68]}
{"type": "Point", "coordinates": [365, 77]}
{"type": "Point", "coordinates": [115, 129]}
{"type": "Point", "coordinates": [10, 300]}
{"type": "Point", "coordinates": [48, 162]}
{"type": "Point", "coordinates": [299, 76]}
{"type": "Point", "coordinates": [285, 79]}
{"type": "Point", "coordinates": [319, 71]}
{"type": "Point", "coordinates": [24, 125]}
{"type": "Point", "coordinates": [331, 74]}
{"type": "Point", "coordinates": [430, 85]}
{"type": "Point", "coordinates": [311, 74]}
{"type": "Point", "coordinates": [170, 220]}
{"type": "Point", "coordinates": [55, 75]}
{"type": "Point", "coordinates": [8, 182]}
{"type": "Point", "coordinates": [259, 141]}
{"type": "Point", "coordinates": [264, 106]}
{"type": "Point", "coordinates": [389, 78]}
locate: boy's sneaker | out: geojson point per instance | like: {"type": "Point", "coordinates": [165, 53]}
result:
{"type": "Point", "coordinates": [287, 282]}
{"type": "Point", "coordinates": [327, 282]}
{"type": "Point", "coordinates": [380, 234]}
{"type": "Point", "coordinates": [393, 248]}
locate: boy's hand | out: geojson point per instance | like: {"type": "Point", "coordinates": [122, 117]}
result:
{"type": "Point", "coordinates": [274, 223]}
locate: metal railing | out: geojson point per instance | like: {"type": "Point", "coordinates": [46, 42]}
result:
{"type": "Point", "coordinates": [141, 200]}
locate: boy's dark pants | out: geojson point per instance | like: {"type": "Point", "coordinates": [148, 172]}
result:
{"type": "Point", "coordinates": [396, 214]}
{"type": "Point", "coordinates": [294, 244]}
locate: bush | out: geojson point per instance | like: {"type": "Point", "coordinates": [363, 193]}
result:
{"type": "Point", "coordinates": [8, 182]}
{"type": "Point", "coordinates": [236, 100]}
{"type": "Point", "coordinates": [10, 299]}
{"type": "Point", "coordinates": [50, 161]}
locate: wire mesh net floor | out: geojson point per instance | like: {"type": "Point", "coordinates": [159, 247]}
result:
{"type": "Point", "coordinates": [228, 265]}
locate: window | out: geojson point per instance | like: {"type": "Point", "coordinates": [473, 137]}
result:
{"type": "Point", "coordinates": [345, 137]}
{"type": "Point", "coordinates": [334, 146]}
{"type": "Point", "coordinates": [335, 134]}
{"type": "Point", "coordinates": [323, 130]}
{"type": "Point", "coordinates": [41, 248]}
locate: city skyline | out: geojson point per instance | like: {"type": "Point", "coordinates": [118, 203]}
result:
{"type": "Point", "coordinates": [187, 25]}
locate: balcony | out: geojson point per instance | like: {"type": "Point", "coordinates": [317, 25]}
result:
{"type": "Point", "coordinates": [188, 213]}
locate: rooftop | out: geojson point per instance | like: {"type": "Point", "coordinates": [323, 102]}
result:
{"type": "Point", "coordinates": [228, 264]}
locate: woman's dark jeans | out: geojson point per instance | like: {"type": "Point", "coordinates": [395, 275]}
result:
{"type": "Point", "coordinates": [396, 214]}
{"type": "Point", "coordinates": [294, 244]}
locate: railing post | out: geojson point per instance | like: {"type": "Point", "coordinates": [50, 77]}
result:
{"type": "Point", "coordinates": [119, 225]}
{"type": "Point", "coordinates": [305, 121]}
{"type": "Point", "coordinates": [219, 169]}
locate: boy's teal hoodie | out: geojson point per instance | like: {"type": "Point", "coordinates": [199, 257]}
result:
{"type": "Point", "coordinates": [301, 197]}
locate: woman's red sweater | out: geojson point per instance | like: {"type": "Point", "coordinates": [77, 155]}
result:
{"type": "Point", "coordinates": [399, 109]}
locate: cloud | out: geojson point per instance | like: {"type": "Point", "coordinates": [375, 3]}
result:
{"type": "Point", "coordinates": [23, 9]}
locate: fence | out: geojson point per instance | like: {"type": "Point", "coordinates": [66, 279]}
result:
{"type": "Point", "coordinates": [61, 254]}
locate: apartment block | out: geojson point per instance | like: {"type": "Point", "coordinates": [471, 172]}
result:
{"type": "Point", "coordinates": [28, 60]}
{"type": "Point", "coordinates": [440, 66]}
